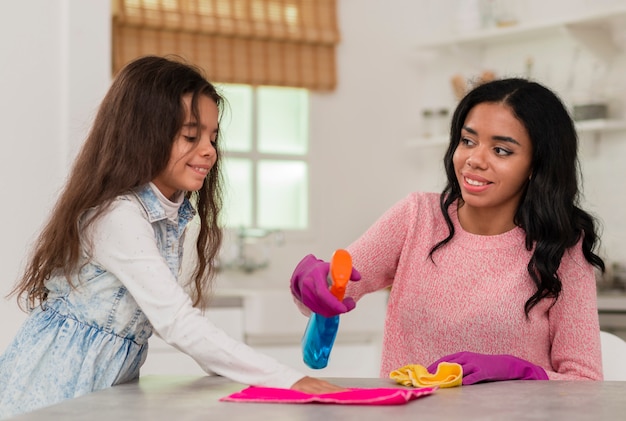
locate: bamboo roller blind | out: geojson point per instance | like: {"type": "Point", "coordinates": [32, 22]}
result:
{"type": "Point", "coordinates": [258, 42]}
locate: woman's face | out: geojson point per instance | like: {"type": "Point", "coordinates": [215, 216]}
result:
{"type": "Point", "coordinates": [493, 160]}
{"type": "Point", "coordinates": [193, 151]}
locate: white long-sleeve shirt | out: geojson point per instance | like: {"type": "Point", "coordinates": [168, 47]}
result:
{"type": "Point", "coordinates": [124, 243]}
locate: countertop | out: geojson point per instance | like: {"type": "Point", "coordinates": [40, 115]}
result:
{"type": "Point", "coordinates": [612, 302]}
{"type": "Point", "coordinates": [608, 301]}
{"type": "Point", "coordinates": [182, 398]}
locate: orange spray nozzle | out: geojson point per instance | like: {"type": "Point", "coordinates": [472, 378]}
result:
{"type": "Point", "coordinates": [340, 271]}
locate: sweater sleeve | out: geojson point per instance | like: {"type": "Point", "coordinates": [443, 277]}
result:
{"type": "Point", "coordinates": [376, 253]}
{"type": "Point", "coordinates": [574, 323]}
{"type": "Point", "coordinates": [124, 244]}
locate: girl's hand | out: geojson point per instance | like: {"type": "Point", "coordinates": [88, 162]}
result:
{"type": "Point", "coordinates": [315, 386]}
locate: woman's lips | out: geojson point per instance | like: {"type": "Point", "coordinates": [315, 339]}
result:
{"type": "Point", "coordinates": [475, 184]}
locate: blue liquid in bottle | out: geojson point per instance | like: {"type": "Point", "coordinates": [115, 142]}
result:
{"type": "Point", "coordinates": [319, 335]}
{"type": "Point", "coordinates": [318, 340]}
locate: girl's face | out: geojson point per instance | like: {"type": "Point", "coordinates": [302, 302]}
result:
{"type": "Point", "coordinates": [492, 161]}
{"type": "Point", "coordinates": [193, 151]}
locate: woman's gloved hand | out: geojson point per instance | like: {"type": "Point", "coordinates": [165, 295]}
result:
{"type": "Point", "coordinates": [487, 368]}
{"type": "Point", "coordinates": [309, 285]}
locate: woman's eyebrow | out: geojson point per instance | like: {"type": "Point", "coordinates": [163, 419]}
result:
{"type": "Point", "coordinates": [506, 139]}
{"type": "Point", "coordinates": [469, 129]}
{"type": "Point", "coordinates": [501, 138]}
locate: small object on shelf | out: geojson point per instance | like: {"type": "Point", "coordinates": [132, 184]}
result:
{"type": "Point", "coordinates": [461, 85]}
{"type": "Point", "coordinates": [601, 125]}
{"type": "Point", "coordinates": [442, 122]}
{"type": "Point", "coordinates": [528, 65]}
{"type": "Point", "coordinates": [591, 111]}
{"type": "Point", "coordinates": [427, 122]}
{"type": "Point", "coordinates": [486, 76]}
{"type": "Point", "coordinates": [468, 16]}
{"type": "Point", "coordinates": [435, 123]}
{"type": "Point", "coordinates": [505, 13]}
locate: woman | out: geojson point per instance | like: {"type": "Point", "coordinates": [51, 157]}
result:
{"type": "Point", "coordinates": [495, 273]}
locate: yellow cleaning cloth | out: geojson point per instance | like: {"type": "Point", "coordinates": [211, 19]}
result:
{"type": "Point", "coordinates": [447, 375]}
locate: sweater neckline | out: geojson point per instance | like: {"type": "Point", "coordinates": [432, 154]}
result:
{"type": "Point", "coordinates": [513, 237]}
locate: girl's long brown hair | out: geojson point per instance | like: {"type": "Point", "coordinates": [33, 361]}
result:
{"type": "Point", "coordinates": [128, 146]}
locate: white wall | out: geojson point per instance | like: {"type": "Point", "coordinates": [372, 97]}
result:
{"type": "Point", "coordinates": [576, 74]}
{"type": "Point", "coordinates": [55, 69]}
{"type": "Point", "coordinates": [361, 165]}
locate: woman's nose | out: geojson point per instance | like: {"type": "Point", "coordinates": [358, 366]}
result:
{"type": "Point", "coordinates": [476, 158]}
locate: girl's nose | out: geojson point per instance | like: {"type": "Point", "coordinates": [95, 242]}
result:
{"type": "Point", "coordinates": [206, 147]}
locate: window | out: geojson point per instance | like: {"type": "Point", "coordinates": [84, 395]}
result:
{"type": "Point", "coordinates": [265, 134]}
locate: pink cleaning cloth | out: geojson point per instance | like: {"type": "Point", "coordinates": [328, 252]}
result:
{"type": "Point", "coordinates": [378, 396]}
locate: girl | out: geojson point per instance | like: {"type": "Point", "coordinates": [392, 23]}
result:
{"type": "Point", "coordinates": [103, 273]}
{"type": "Point", "coordinates": [497, 272]}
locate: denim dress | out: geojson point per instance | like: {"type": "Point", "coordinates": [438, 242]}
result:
{"type": "Point", "coordinates": [89, 337]}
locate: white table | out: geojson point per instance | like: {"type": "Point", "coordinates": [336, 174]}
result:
{"type": "Point", "coordinates": [179, 398]}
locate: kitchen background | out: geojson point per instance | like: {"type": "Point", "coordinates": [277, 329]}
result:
{"type": "Point", "coordinates": [374, 139]}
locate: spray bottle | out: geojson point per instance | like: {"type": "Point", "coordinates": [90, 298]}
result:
{"type": "Point", "coordinates": [320, 333]}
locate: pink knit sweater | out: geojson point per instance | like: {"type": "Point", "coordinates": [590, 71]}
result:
{"type": "Point", "coordinates": [472, 298]}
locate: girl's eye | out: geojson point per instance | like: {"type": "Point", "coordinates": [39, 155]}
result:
{"type": "Point", "coordinates": [190, 139]}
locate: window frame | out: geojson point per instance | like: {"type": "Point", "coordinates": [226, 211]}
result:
{"type": "Point", "coordinates": [255, 156]}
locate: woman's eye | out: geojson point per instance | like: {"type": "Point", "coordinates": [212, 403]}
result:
{"type": "Point", "coordinates": [190, 139]}
{"type": "Point", "coordinates": [502, 152]}
{"type": "Point", "coordinates": [466, 141]}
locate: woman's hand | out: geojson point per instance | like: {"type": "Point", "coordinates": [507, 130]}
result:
{"type": "Point", "coordinates": [315, 386]}
{"type": "Point", "coordinates": [478, 368]}
{"type": "Point", "coordinates": [309, 285]}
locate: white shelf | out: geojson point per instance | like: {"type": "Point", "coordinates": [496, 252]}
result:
{"type": "Point", "coordinates": [595, 29]}
{"type": "Point", "coordinates": [600, 125]}
{"type": "Point", "coordinates": [587, 126]}
{"type": "Point", "coordinates": [602, 33]}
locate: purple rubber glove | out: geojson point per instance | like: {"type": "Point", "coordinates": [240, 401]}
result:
{"type": "Point", "coordinates": [490, 368]}
{"type": "Point", "coordinates": [309, 284]}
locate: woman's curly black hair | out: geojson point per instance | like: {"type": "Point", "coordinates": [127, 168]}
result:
{"type": "Point", "coordinates": [549, 209]}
